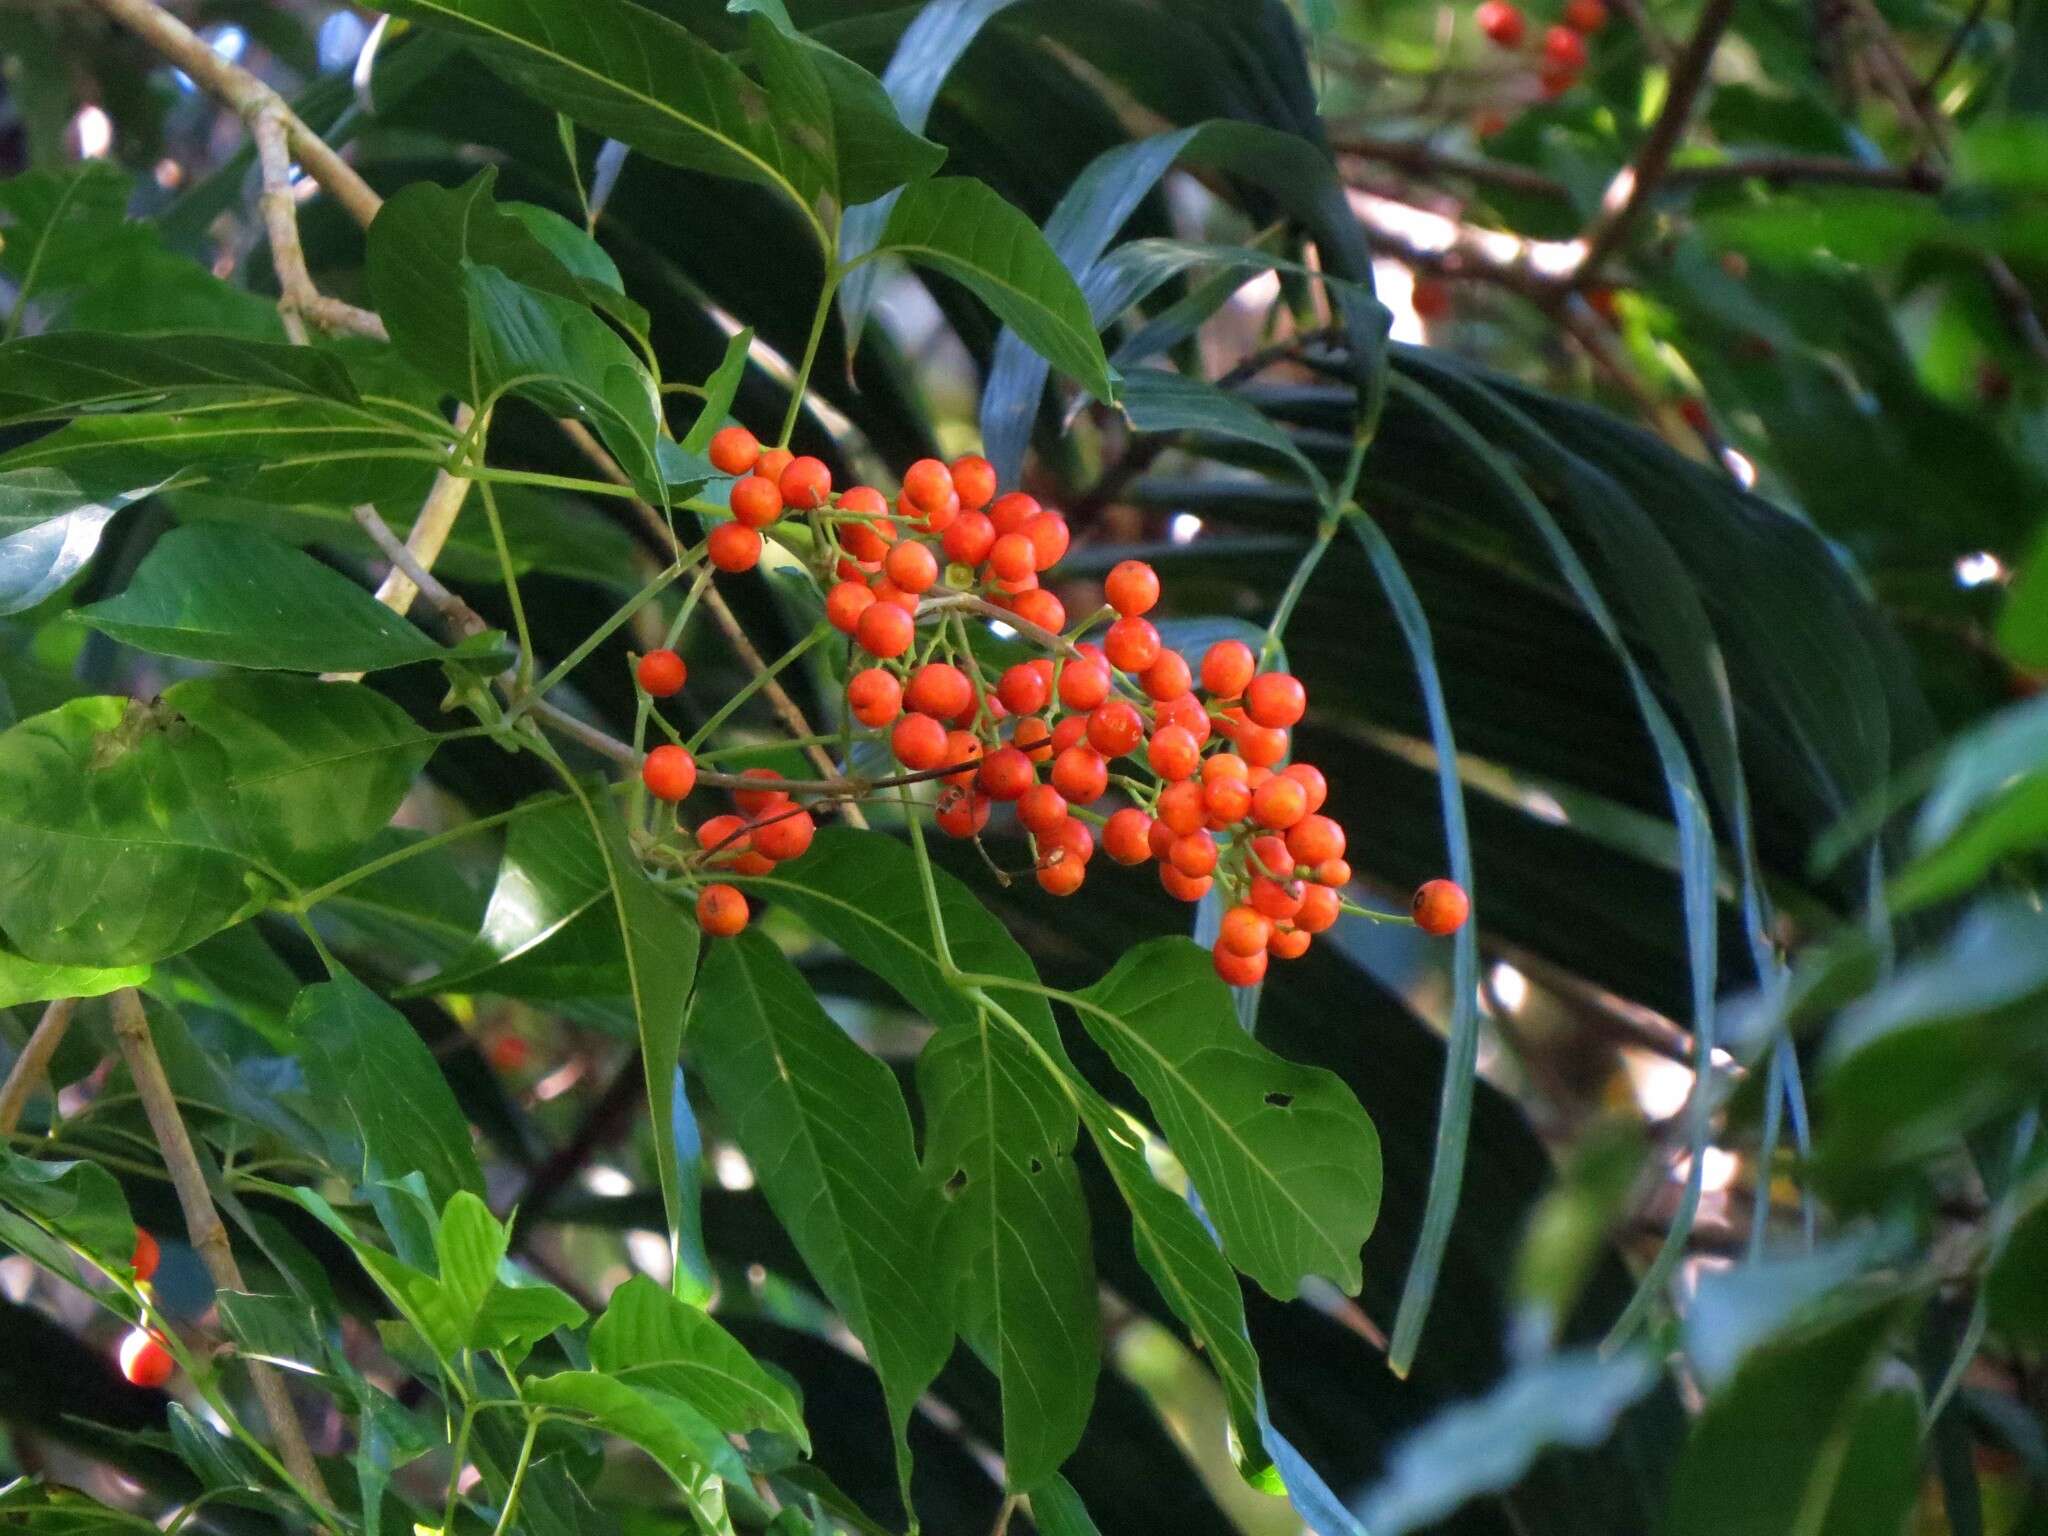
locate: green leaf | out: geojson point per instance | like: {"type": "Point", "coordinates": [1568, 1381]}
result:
{"type": "Point", "coordinates": [654, 1341]}
{"type": "Point", "coordinates": [215, 593]}
{"type": "Point", "coordinates": [1285, 1160]}
{"type": "Point", "coordinates": [70, 373]}
{"type": "Point", "coordinates": [965, 230]}
{"type": "Point", "coordinates": [836, 116]}
{"type": "Point", "coordinates": [290, 452]}
{"type": "Point", "coordinates": [1768, 1453]}
{"type": "Point", "coordinates": [720, 386]}
{"type": "Point", "coordinates": [117, 837]}
{"type": "Point", "coordinates": [2018, 1305]}
{"type": "Point", "coordinates": [383, 1103]}
{"type": "Point", "coordinates": [682, 1441]}
{"type": "Point", "coordinates": [518, 1312]}
{"type": "Point", "coordinates": [56, 225]}
{"type": "Point", "coordinates": [280, 1329]}
{"type": "Point", "coordinates": [77, 1201]}
{"type": "Point", "coordinates": [317, 768]}
{"type": "Point", "coordinates": [1487, 1446]}
{"type": "Point", "coordinates": [826, 1129]}
{"type": "Point", "coordinates": [1192, 1275]}
{"type": "Point", "coordinates": [549, 931]}
{"type": "Point", "coordinates": [469, 1245]}
{"type": "Point", "coordinates": [31, 981]}
{"type": "Point", "coordinates": [416, 1295]}
{"type": "Point", "coordinates": [1158, 401]}
{"type": "Point", "coordinates": [633, 75]}
{"type": "Point", "coordinates": [1058, 1511]}
{"type": "Point", "coordinates": [1013, 1232]}
{"type": "Point", "coordinates": [1013, 1236]}
{"type": "Point", "coordinates": [50, 526]}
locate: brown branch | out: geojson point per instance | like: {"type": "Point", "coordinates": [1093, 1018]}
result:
{"type": "Point", "coordinates": [33, 1062]}
{"type": "Point", "coordinates": [204, 1227]}
{"type": "Point", "coordinates": [248, 96]}
{"type": "Point", "coordinates": [1633, 186]}
{"type": "Point", "coordinates": [299, 300]}
{"type": "Point", "coordinates": [1421, 159]}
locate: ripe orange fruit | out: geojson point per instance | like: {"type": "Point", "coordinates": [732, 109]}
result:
{"type": "Point", "coordinates": [734, 548]}
{"type": "Point", "coordinates": [145, 1360]}
{"type": "Point", "coordinates": [147, 1255]}
{"type": "Point", "coordinates": [1441, 906]}
{"type": "Point", "coordinates": [661, 673]}
{"type": "Point", "coordinates": [734, 450]}
{"type": "Point", "coordinates": [721, 911]}
{"type": "Point", "coordinates": [1227, 666]}
{"type": "Point", "coordinates": [669, 773]}
{"type": "Point", "coordinates": [1503, 24]}
{"type": "Point", "coordinates": [756, 502]}
{"type": "Point", "coordinates": [1127, 836]}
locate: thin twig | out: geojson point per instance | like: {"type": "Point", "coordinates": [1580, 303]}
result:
{"type": "Point", "coordinates": [786, 708]}
{"type": "Point", "coordinates": [203, 1225]}
{"type": "Point", "coordinates": [33, 1062]}
{"type": "Point", "coordinates": [299, 300]}
{"type": "Point", "coordinates": [1953, 51]}
{"type": "Point", "coordinates": [1634, 185]}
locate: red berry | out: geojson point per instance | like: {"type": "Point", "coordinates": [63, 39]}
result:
{"type": "Point", "coordinates": [1132, 587]}
{"type": "Point", "coordinates": [669, 773]}
{"type": "Point", "coordinates": [884, 630]}
{"type": "Point", "coordinates": [1193, 854]}
{"type": "Point", "coordinates": [961, 813]}
{"type": "Point", "coordinates": [912, 566]}
{"type": "Point", "coordinates": [806, 484]}
{"type": "Point", "coordinates": [661, 673]}
{"type": "Point", "coordinates": [874, 696]}
{"type": "Point", "coordinates": [1334, 873]}
{"type": "Point", "coordinates": [1040, 607]}
{"type": "Point", "coordinates": [1081, 774]}
{"type": "Point", "coordinates": [1010, 513]}
{"type": "Point", "coordinates": [510, 1053]}
{"type": "Point", "coordinates": [1069, 840]}
{"type": "Point", "coordinates": [734, 450]}
{"type": "Point", "coordinates": [1269, 856]}
{"type": "Point", "coordinates": [734, 548]}
{"type": "Point", "coordinates": [1061, 876]}
{"type": "Point", "coordinates": [1227, 666]}
{"type": "Point", "coordinates": [1126, 836]}
{"type": "Point", "coordinates": [1115, 727]}
{"type": "Point", "coordinates": [845, 603]}
{"type": "Point", "coordinates": [1441, 907]}
{"type": "Point", "coordinates": [1290, 941]}
{"type": "Point", "coordinates": [1041, 807]}
{"type": "Point", "coordinates": [1012, 558]}
{"type": "Point", "coordinates": [1187, 713]}
{"type": "Point", "coordinates": [147, 1254]}
{"type": "Point", "coordinates": [755, 502]}
{"type": "Point", "coordinates": [1240, 970]}
{"type": "Point", "coordinates": [752, 802]}
{"type": "Point", "coordinates": [1180, 807]}
{"type": "Point", "coordinates": [969, 539]}
{"type": "Point", "coordinates": [928, 486]}
{"type": "Point", "coordinates": [1034, 736]}
{"type": "Point", "coordinates": [1277, 899]}
{"type": "Point", "coordinates": [965, 749]}
{"type": "Point", "coordinates": [1587, 16]}
{"type": "Point", "coordinates": [1131, 645]}
{"type": "Point", "coordinates": [940, 689]}
{"type": "Point", "coordinates": [1431, 299]}
{"type": "Point", "coordinates": [1182, 887]}
{"type": "Point", "coordinates": [867, 538]}
{"type": "Point", "coordinates": [1006, 773]}
{"type": "Point", "coordinates": [1319, 909]}
{"type": "Point", "coordinates": [144, 1359]}
{"type": "Point", "coordinates": [1244, 931]}
{"type": "Point", "coordinates": [1279, 803]}
{"type": "Point", "coordinates": [919, 742]}
{"type": "Point", "coordinates": [785, 833]}
{"type": "Point", "coordinates": [1564, 49]}
{"type": "Point", "coordinates": [721, 911]}
{"type": "Point", "coordinates": [1226, 801]}
{"type": "Point", "coordinates": [1167, 678]}
{"type": "Point", "coordinates": [974, 479]}
{"type": "Point", "coordinates": [1049, 537]}
{"type": "Point", "coordinates": [1311, 779]}
{"type": "Point", "coordinates": [1314, 839]}
{"type": "Point", "coordinates": [1173, 752]}
{"type": "Point", "coordinates": [1502, 23]}
{"type": "Point", "coordinates": [773, 462]}
{"type": "Point", "coordinates": [1024, 689]}
{"type": "Point", "coordinates": [1275, 700]}
{"type": "Point", "coordinates": [1084, 683]}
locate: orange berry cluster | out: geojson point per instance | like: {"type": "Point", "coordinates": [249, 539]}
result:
{"type": "Point", "coordinates": [1200, 755]}
{"type": "Point", "coordinates": [1563, 47]}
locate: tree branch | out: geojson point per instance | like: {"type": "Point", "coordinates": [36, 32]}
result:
{"type": "Point", "coordinates": [1635, 183]}
{"type": "Point", "coordinates": [298, 299]}
{"type": "Point", "coordinates": [33, 1062]}
{"type": "Point", "coordinates": [203, 1224]}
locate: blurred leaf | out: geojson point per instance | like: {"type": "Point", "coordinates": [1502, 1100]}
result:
{"type": "Point", "coordinates": [318, 768]}
{"type": "Point", "coordinates": [1568, 1229]}
{"type": "Point", "coordinates": [120, 837]}
{"type": "Point", "coordinates": [826, 1129]}
{"type": "Point", "coordinates": [1286, 1161]}
{"type": "Point", "coordinates": [32, 981]}
{"type": "Point", "coordinates": [967, 231]}
{"type": "Point", "coordinates": [79, 1202]}
{"type": "Point", "coordinates": [1770, 1449]}
{"type": "Point", "coordinates": [1488, 1446]}
{"type": "Point", "coordinates": [214, 593]}
{"type": "Point", "coordinates": [1881, 1468]}
{"type": "Point", "coordinates": [652, 1340]}
{"type": "Point", "coordinates": [2012, 1288]}
{"type": "Point", "coordinates": [1158, 401]}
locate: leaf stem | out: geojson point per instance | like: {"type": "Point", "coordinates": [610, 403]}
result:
{"type": "Point", "coordinates": [803, 373]}
{"type": "Point", "coordinates": [755, 684]}
{"type": "Point", "coordinates": [518, 1476]}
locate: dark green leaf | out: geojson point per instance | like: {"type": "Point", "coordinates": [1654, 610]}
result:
{"type": "Point", "coordinates": [826, 1129]}
{"type": "Point", "coordinates": [71, 373]}
{"type": "Point", "coordinates": [687, 1445]}
{"type": "Point", "coordinates": [965, 230]}
{"type": "Point", "coordinates": [1157, 401]}
{"type": "Point", "coordinates": [215, 593]}
{"type": "Point", "coordinates": [77, 1201]}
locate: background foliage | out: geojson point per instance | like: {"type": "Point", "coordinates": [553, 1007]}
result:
{"type": "Point", "coordinates": [1687, 615]}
